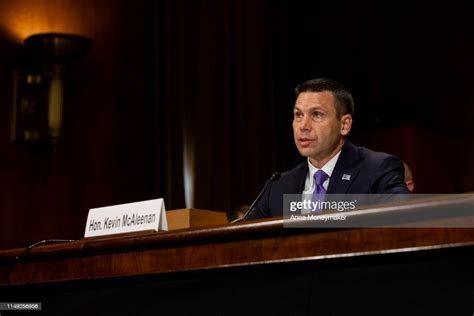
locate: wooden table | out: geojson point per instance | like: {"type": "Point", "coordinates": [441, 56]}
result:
{"type": "Point", "coordinates": [253, 267]}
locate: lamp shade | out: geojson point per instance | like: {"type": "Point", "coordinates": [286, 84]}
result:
{"type": "Point", "coordinates": [57, 48]}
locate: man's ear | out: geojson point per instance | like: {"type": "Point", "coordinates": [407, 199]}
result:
{"type": "Point", "coordinates": [346, 124]}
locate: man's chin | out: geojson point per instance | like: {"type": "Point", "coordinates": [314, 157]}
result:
{"type": "Point", "coordinates": [305, 152]}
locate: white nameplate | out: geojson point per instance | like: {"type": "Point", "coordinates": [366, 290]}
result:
{"type": "Point", "coordinates": [126, 218]}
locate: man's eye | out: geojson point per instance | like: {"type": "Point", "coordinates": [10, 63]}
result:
{"type": "Point", "coordinates": [298, 114]}
{"type": "Point", "coordinates": [318, 114]}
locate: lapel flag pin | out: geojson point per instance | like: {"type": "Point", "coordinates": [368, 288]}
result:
{"type": "Point", "coordinates": [346, 177]}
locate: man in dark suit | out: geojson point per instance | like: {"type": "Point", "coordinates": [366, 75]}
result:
{"type": "Point", "coordinates": [322, 120]}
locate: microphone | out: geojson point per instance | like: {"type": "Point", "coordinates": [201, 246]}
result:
{"type": "Point", "coordinates": [275, 176]}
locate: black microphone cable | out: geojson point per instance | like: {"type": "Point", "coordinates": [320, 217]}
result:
{"type": "Point", "coordinates": [27, 250]}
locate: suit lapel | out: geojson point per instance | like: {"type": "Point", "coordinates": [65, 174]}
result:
{"type": "Point", "coordinates": [345, 170]}
{"type": "Point", "coordinates": [297, 180]}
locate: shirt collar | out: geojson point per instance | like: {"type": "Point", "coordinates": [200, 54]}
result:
{"type": "Point", "coordinates": [328, 167]}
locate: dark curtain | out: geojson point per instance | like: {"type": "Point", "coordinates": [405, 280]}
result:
{"type": "Point", "coordinates": [212, 91]}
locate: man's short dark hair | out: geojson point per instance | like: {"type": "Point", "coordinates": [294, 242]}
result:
{"type": "Point", "coordinates": [344, 102]}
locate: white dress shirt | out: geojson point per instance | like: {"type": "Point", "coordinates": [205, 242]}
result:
{"type": "Point", "coordinates": [309, 185]}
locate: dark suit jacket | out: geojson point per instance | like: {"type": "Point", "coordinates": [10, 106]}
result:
{"type": "Point", "coordinates": [369, 171]}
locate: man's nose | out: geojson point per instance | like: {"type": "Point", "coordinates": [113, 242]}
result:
{"type": "Point", "coordinates": [305, 123]}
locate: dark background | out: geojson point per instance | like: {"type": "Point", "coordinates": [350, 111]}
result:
{"type": "Point", "coordinates": [212, 81]}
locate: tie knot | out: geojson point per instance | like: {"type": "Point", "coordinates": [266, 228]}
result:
{"type": "Point", "coordinates": [320, 176]}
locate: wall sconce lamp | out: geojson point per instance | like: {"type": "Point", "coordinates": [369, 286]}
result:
{"type": "Point", "coordinates": [39, 95]}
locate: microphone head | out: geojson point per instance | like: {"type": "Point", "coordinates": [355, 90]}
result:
{"type": "Point", "coordinates": [275, 176]}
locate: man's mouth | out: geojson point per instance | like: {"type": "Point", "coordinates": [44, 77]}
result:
{"type": "Point", "coordinates": [305, 142]}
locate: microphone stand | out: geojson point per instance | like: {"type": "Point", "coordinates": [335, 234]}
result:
{"type": "Point", "coordinates": [275, 176]}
